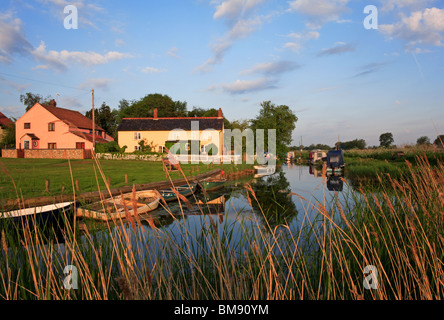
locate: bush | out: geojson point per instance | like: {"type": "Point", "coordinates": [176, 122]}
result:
{"type": "Point", "coordinates": [112, 146]}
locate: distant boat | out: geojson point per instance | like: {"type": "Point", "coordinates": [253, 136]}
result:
{"type": "Point", "coordinates": [335, 161]}
{"type": "Point", "coordinates": [211, 184]}
{"type": "Point", "coordinates": [41, 213]}
{"type": "Point", "coordinates": [185, 190]}
{"type": "Point", "coordinates": [262, 171]}
{"type": "Point", "coordinates": [114, 208]}
{"type": "Point", "coordinates": [316, 156]}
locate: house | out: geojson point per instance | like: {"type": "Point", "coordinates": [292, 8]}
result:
{"type": "Point", "coordinates": [4, 123]}
{"type": "Point", "coordinates": [167, 132]}
{"type": "Point", "coordinates": [49, 127]}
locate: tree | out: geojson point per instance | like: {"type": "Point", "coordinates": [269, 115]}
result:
{"type": "Point", "coordinates": [281, 118]}
{"type": "Point", "coordinates": [8, 139]}
{"type": "Point", "coordinates": [439, 141]}
{"type": "Point", "coordinates": [354, 144]}
{"type": "Point", "coordinates": [424, 140]}
{"type": "Point", "coordinates": [386, 140]}
{"type": "Point", "coordinates": [105, 118]}
{"type": "Point", "coordinates": [30, 99]}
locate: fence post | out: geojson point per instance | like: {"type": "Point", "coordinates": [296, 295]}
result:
{"type": "Point", "coordinates": [47, 185]}
{"type": "Point", "coordinates": [77, 186]}
{"type": "Point", "coordinates": [126, 178]}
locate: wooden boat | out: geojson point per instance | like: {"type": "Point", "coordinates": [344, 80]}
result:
{"type": "Point", "coordinates": [185, 190]}
{"type": "Point", "coordinates": [120, 206]}
{"type": "Point", "coordinates": [40, 213]}
{"type": "Point", "coordinates": [211, 184]}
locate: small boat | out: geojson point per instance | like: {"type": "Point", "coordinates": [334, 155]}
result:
{"type": "Point", "coordinates": [264, 171]}
{"type": "Point", "coordinates": [316, 156]}
{"type": "Point", "coordinates": [335, 161]}
{"type": "Point", "coordinates": [211, 184]}
{"type": "Point", "coordinates": [41, 213]}
{"type": "Point", "coordinates": [120, 206]}
{"type": "Point", "coordinates": [185, 190]}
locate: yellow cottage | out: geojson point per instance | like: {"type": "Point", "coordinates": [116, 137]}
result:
{"type": "Point", "coordinates": [194, 135]}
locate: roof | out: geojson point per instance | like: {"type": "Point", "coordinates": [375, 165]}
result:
{"type": "Point", "coordinates": [72, 118]}
{"type": "Point", "coordinates": [89, 137]}
{"type": "Point", "coordinates": [167, 124]}
{"type": "Point", "coordinates": [4, 121]}
{"type": "Point", "coordinates": [32, 136]}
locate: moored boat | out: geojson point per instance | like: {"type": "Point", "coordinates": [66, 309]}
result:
{"type": "Point", "coordinates": [211, 184]}
{"type": "Point", "coordinates": [40, 213]}
{"type": "Point", "coordinates": [335, 161]}
{"type": "Point", "coordinates": [121, 206]}
{"type": "Point", "coordinates": [184, 190]}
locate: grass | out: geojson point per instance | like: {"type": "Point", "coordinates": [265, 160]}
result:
{"type": "Point", "coordinates": [398, 230]}
{"type": "Point", "coordinates": [29, 175]}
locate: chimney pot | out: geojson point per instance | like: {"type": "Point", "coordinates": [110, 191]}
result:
{"type": "Point", "coordinates": [155, 113]}
{"type": "Point", "coordinates": [220, 115]}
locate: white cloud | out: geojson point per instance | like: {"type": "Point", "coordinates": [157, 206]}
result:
{"type": "Point", "coordinates": [236, 14]}
{"type": "Point", "coordinates": [272, 68]}
{"type": "Point", "coordinates": [60, 60]}
{"type": "Point", "coordinates": [300, 39]}
{"type": "Point", "coordinates": [97, 83]}
{"type": "Point", "coordinates": [421, 27]}
{"type": "Point", "coordinates": [319, 12]}
{"type": "Point", "coordinates": [244, 86]}
{"type": "Point", "coordinates": [152, 70]}
{"type": "Point", "coordinates": [12, 38]}
{"type": "Point", "coordinates": [173, 53]}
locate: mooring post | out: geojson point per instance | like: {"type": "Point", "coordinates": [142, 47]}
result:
{"type": "Point", "coordinates": [77, 185]}
{"type": "Point", "coordinates": [126, 178]}
{"type": "Point", "coordinates": [47, 185]}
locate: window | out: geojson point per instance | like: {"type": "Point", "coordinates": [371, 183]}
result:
{"type": "Point", "coordinates": [161, 149]}
{"type": "Point", "coordinates": [51, 126]}
{"type": "Point", "coordinates": [51, 146]}
{"type": "Point", "coordinates": [80, 145]}
{"type": "Point", "coordinates": [136, 148]}
{"type": "Point", "coordinates": [137, 136]}
{"type": "Point", "coordinates": [27, 125]}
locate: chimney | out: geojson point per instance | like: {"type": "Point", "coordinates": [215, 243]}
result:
{"type": "Point", "coordinates": [53, 103]}
{"type": "Point", "coordinates": [220, 115]}
{"type": "Point", "coordinates": [155, 114]}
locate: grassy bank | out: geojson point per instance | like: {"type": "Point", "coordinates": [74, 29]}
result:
{"type": "Point", "coordinates": [398, 232]}
{"type": "Point", "coordinates": [26, 178]}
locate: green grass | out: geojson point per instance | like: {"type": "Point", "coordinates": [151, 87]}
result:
{"type": "Point", "coordinates": [27, 176]}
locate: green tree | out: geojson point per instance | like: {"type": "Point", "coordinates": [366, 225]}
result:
{"type": "Point", "coordinates": [105, 118]}
{"type": "Point", "coordinates": [353, 144]}
{"type": "Point", "coordinates": [424, 140]}
{"type": "Point", "coordinates": [281, 118]}
{"type": "Point", "coordinates": [8, 139]}
{"type": "Point", "coordinates": [30, 99]}
{"type": "Point", "coordinates": [439, 141]}
{"type": "Point", "coordinates": [386, 140]}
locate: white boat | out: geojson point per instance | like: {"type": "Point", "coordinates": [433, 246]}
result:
{"type": "Point", "coordinates": [262, 171]}
{"type": "Point", "coordinates": [120, 206]}
{"type": "Point", "coordinates": [41, 212]}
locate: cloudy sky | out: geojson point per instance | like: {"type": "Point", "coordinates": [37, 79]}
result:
{"type": "Point", "coordinates": [316, 56]}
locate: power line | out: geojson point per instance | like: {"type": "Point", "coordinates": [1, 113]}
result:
{"type": "Point", "coordinates": [45, 82]}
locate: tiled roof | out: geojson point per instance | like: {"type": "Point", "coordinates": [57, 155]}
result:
{"type": "Point", "coordinates": [89, 137]}
{"type": "Point", "coordinates": [72, 118]}
{"type": "Point", "coordinates": [167, 124]}
{"type": "Point", "coordinates": [4, 121]}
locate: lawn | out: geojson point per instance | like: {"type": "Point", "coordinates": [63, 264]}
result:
{"type": "Point", "coordinates": [27, 177]}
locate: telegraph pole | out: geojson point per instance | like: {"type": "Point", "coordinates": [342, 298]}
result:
{"type": "Point", "coordinates": [93, 123]}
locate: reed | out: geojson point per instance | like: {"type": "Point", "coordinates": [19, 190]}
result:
{"type": "Point", "coordinates": [397, 229]}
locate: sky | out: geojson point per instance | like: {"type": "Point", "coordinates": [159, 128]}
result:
{"type": "Point", "coordinates": [346, 72]}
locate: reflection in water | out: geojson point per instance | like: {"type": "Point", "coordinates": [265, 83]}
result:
{"type": "Point", "coordinates": [335, 183]}
{"type": "Point", "coordinates": [276, 205]}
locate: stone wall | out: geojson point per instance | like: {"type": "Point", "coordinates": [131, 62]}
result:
{"type": "Point", "coordinates": [49, 154]}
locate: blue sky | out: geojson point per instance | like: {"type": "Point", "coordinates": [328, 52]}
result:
{"type": "Point", "coordinates": [340, 79]}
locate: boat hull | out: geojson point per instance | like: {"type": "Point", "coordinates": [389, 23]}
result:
{"type": "Point", "coordinates": [185, 190]}
{"type": "Point", "coordinates": [121, 206]}
{"type": "Point", "coordinates": [212, 185]}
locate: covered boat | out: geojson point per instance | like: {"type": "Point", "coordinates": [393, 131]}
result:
{"type": "Point", "coordinates": [335, 160]}
{"type": "Point", "coordinates": [316, 156]}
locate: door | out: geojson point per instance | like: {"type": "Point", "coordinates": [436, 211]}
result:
{"type": "Point", "coordinates": [26, 144]}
